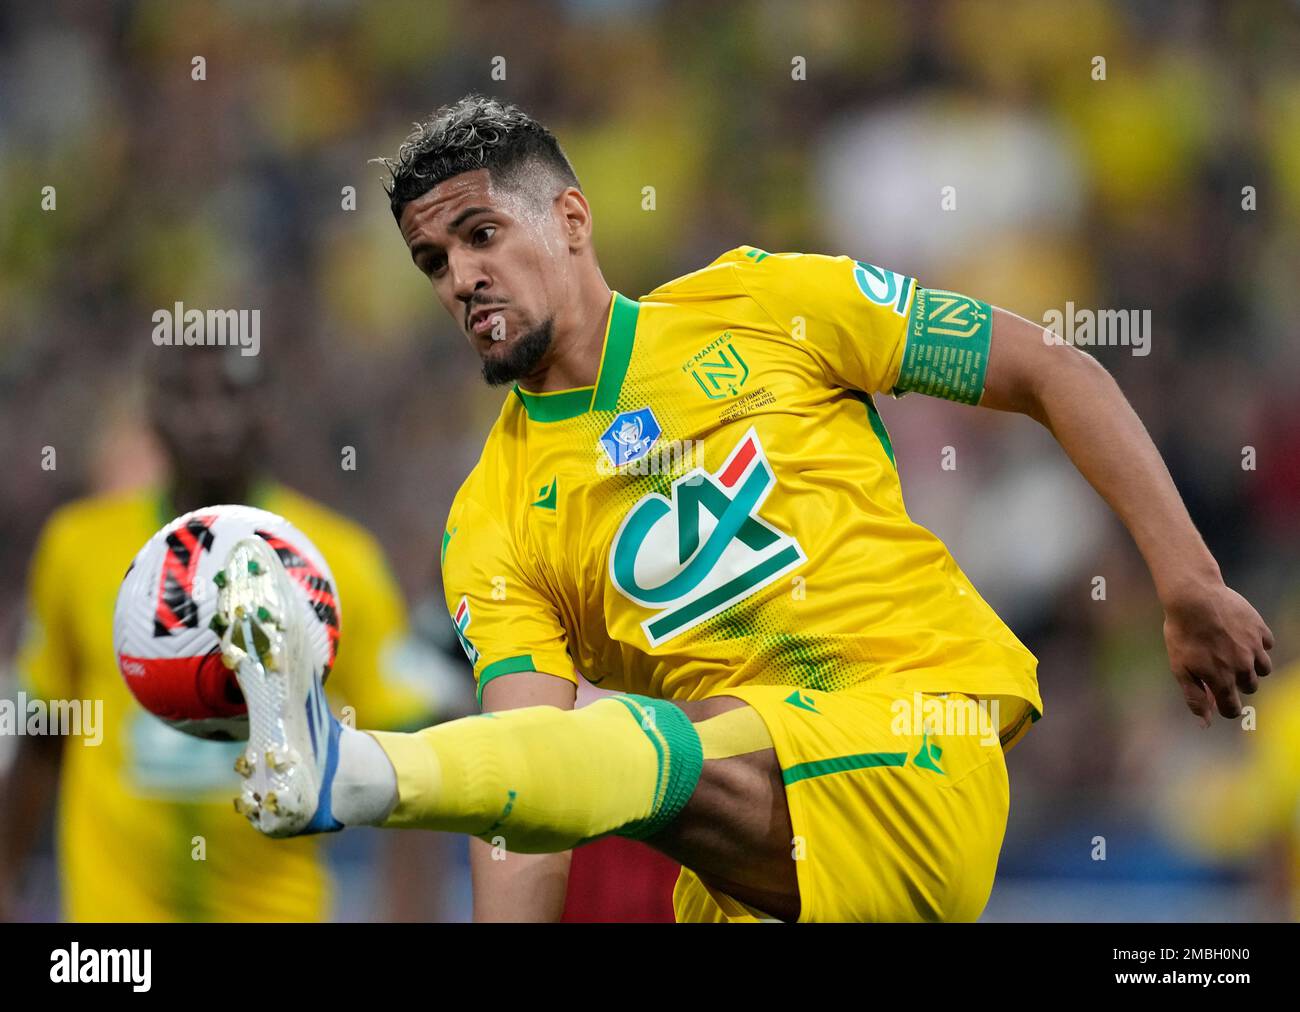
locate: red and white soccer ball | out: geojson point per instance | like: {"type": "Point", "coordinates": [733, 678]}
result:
{"type": "Point", "coordinates": [168, 654]}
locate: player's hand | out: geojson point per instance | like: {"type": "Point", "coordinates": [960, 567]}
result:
{"type": "Point", "coordinates": [1218, 647]}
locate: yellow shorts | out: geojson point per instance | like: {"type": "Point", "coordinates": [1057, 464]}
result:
{"type": "Point", "coordinates": [894, 819]}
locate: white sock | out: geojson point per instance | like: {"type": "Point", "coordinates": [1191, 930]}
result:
{"type": "Point", "coordinates": [365, 784]}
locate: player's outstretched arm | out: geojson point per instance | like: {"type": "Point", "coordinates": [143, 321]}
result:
{"type": "Point", "coordinates": [523, 887]}
{"type": "Point", "coordinates": [1218, 644]}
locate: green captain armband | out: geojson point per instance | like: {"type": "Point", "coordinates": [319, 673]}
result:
{"type": "Point", "coordinates": [947, 350]}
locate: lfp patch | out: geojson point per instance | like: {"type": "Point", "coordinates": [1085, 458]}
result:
{"type": "Point", "coordinates": [630, 436]}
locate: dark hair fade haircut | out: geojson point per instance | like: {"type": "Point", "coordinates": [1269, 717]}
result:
{"type": "Point", "coordinates": [477, 132]}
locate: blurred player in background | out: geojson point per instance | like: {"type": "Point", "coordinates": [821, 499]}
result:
{"type": "Point", "coordinates": [144, 826]}
{"type": "Point", "coordinates": [616, 880]}
{"type": "Point", "coordinates": [1248, 809]}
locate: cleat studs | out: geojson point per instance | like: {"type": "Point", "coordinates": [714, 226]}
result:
{"type": "Point", "coordinates": [257, 641]}
{"type": "Point", "coordinates": [218, 624]}
{"type": "Point", "coordinates": [243, 767]}
{"type": "Point", "coordinates": [263, 615]}
{"type": "Point", "coordinates": [271, 803]}
{"type": "Point", "coordinates": [220, 579]}
{"type": "Point", "coordinates": [279, 760]}
{"type": "Point", "coordinates": [254, 568]}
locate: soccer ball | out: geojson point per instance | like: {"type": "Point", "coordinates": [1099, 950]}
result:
{"type": "Point", "coordinates": [166, 646]}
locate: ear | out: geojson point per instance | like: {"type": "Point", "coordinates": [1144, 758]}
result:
{"type": "Point", "coordinates": [576, 215]}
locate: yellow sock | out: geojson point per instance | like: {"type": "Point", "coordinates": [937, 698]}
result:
{"type": "Point", "coordinates": [544, 779]}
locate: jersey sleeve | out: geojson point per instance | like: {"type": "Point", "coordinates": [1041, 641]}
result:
{"type": "Point", "coordinates": [47, 662]}
{"type": "Point", "coordinates": [368, 674]}
{"type": "Point", "coordinates": [505, 622]}
{"type": "Point", "coordinates": [872, 329]}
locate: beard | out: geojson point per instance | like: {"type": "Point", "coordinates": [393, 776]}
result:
{"type": "Point", "coordinates": [519, 358]}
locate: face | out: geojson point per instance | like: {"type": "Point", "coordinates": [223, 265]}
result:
{"type": "Point", "coordinates": [498, 264]}
{"type": "Point", "coordinates": [208, 416]}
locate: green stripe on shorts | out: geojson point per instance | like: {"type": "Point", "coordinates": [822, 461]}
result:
{"type": "Point", "coordinates": [842, 764]}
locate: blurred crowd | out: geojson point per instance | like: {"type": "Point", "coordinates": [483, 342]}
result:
{"type": "Point", "coordinates": [1113, 155]}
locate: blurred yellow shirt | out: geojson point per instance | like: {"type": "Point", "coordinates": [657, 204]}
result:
{"type": "Point", "coordinates": [146, 828]}
{"type": "Point", "coordinates": [723, 507]}
{"type": "Point", "coordinates": [1232, 809]}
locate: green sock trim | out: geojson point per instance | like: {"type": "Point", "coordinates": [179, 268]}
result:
{"type": "Point", "coordinates": [681, 761]}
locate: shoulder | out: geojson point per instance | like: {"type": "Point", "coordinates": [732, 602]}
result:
{"type": "Point", "coordinates": [734, 273]}
{"type": "Point", "coordinates": [489, 508]}
{"type": "Point", "coordinates": [87, 518]}
{"type": "Point", "coordinates": [474, 522]}
{"type": "Point", "coordinates": [344, 542]}
{"type": "Point", "coordinates": [754, 274]}
{"type": "Point", "coordinates": [712, 277]}
{"type": "Point", "coordinates": [780, 272]}
{"type": "Point", "coordinates": [485, 486]}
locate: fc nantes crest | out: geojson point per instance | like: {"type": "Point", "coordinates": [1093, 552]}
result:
{"type": "Point", "coordinates": [692, 555]}
{"type": "Point", "coordinates": [718, 369]}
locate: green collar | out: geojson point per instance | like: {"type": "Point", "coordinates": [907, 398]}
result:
{"type": "Point", "coordinates": [558, 405]}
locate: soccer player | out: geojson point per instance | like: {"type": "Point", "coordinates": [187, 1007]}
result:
{"type": "Point", "coordinates": [132, 809]}
{"type": "Point", "coordinates": [691, 498]}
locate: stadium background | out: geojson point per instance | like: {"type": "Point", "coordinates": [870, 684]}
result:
{"type": "Point", "coordinates": [1122, 194]}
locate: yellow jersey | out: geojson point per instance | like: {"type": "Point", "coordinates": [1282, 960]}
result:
{"type": "Point", "coordinates": [145, 826]}
{"type": "Point", "coordinates": [723, 507]}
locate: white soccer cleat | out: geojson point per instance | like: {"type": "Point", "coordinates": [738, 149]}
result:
{"type": "Point", "coordinates": [293, 739]}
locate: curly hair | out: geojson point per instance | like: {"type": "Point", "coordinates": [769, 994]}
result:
{"type": "Point", "coordinates": [477, 132]}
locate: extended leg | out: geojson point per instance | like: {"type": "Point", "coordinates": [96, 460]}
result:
{"type": "Point", "coordinates": [698, 781]}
